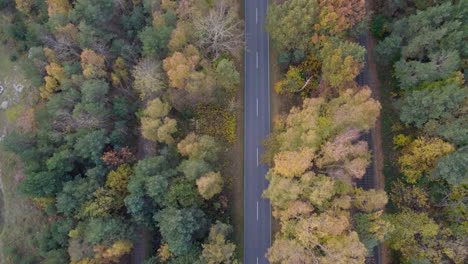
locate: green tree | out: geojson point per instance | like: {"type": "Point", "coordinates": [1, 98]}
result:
{"type": "Point", "coordinates": [182, 194]}
{"type": "Point", "coordinates": [453, 167]}
{"type": "Point", "coordinates": [218, 249]}
{"type": "Point", "coordinates": [226, 74]}
{"type": "Point", "coordinates": [291, 23]}
{"type": "Point", "coordinates": [179, 228]}
{"type": "Point", "coordinates": [155, 41]}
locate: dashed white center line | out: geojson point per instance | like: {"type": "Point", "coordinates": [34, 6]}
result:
{"type": "Point", "coordinates": [256, 60]}
{"type": "Point", "coordinates": [257, 210]}
{"type": "Point", "coordinates": [256, 15]}
{"type": "Point", "coordinates": [257, 106]}
{"type": "Point", "coordinates": [257, 260]}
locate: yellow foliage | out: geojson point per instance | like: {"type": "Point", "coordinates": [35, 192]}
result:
{"type": "Point", "coordinates": [120, 73]}
{"type": "Point", "coordinates": [216, 122]}
{"type": "Point", "coordinates": [117, 180]}
{"type": "Point", "coordinates": [164, 252]}
{"type": "Point", "coordinates": [93, 64]}
{"type": "Point", "coordinates": [56, 71]}
{"type": "Point", "coordinates": [50, 55]}
{"type": "Point", "coordinates": [43, 202]}
{"type": "Point", "coordinates": [25, 6]}
{"type": "Point", "coordinates": [58, 7]}
{"type": "Point", "coordinates": [48, 89]}
{"type": "Point", "coordinates": [421, 156]}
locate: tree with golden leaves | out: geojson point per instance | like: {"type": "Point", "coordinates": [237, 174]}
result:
{"type": "Point", "coordinates": [58, 7]}
{"type": "Point", "coordinates": [156, 125]}
{"type": "Point", "coordinates": [210, 184]}
{"type": "Point", "coordinates": [93, 64]}
{"type": "Point", "coordinates": [420, 157]}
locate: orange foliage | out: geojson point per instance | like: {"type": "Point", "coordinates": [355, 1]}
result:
{"type": "Point", "coordinates": [116, 158]}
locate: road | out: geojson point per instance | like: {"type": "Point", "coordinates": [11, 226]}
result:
{"type": "Point", "coordinates": [257, 211]}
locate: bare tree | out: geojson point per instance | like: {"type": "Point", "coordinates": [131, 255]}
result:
{"type": "Point", "coordinates": [220, 30]}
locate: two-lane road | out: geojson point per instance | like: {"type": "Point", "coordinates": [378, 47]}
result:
{"type": "Point", "coordinates": [257, 211]}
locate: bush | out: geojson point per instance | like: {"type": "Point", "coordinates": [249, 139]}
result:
{"type": "Point", "coordinates": [216, 122]}
{"type": "Point", "coordinates": [13, 58]}
{"type": "Point", "coordinates": [379, 26]}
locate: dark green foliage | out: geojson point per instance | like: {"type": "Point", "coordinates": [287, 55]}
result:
{"type": "Point", "coordinates": [75, 193]}
{"type": "Point", "coordinates": [147, 188]}
{"type": "Point", "coordinates": [91, 145]}
{"type": "Point", "coordinates": [58, 256]}
{"type": "Point", "coordinates": [379, 26]}
{"type": "Point", "coordinates": [107, 230]}
{"type": "Point", "coordinates": [155, 41]}
{"type": "Point", "coordinates": [453, 168]}
{"type": "Point", "coordinates": [56, 235]}
{"type": "Point", "coordinates": [123, 108]}
{"type": "Point", "coordinates": [135, 21]}
{"type": "Point", "coordinates": [73, 67]}
{"type": "Point", "coordinates": [193, 169]}
{"type": "Point", "coordinates": [95, 13]}
{"type": "Point", "coordinates": [362, 228]}
{"type": "Point", "coordinates": [182, 194]}
{"type": "Point", "coordinates": [436, 102]}
{"type": "Point", "coordinates": [180, 227]}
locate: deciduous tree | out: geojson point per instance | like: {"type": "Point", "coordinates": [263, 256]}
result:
{"type": "Point", "coordinates": [210, 184]}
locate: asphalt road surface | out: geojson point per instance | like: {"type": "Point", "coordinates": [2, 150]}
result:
{"type": "Point", "coordinates": [257, 211]}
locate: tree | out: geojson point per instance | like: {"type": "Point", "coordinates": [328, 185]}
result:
{"type": "Point", "coordinates": [440, 65]}
{"type": "Point", "coordinates": [286, 251]}
{"type": "Point", "coordinates": [293, 82]}
{"type": "Point", "coordinates": [371, 200]}
{"type": "Point", "coordinates": [92, 64]}
{"type": "Point", "coordinates": [120, 73]}
{"type": "Point", "coordinates": [58, 7]}
{"type": "Point", "coordinates": [421, 155]}
{"type": "Point", "coordinates": [210, 184]}
{"type": "Point", "coordinates": [194, 168]}
{"type": "Point", "coordinates": [293, 163]}
{"type": "Point", "coordinates": [116, 158]}
{"type": "Point", "coordinates": [433, 101]}
{"type": "Point", "coordinates": [24, 6]}
{"type": "Point", "coordinates": [220, 30]}
{"type": "Point", "coordinates": [114, 252]}
{"type": "Point", "coordinates": [337, 16]}
{"type": "Point", "coordinates": [291, 24]}
{"type": "Point", "coordinates": [149, 77]}
{"type": "Point", "coordinates": [372, 228]}
{"type": "Point", "coordinates": [156, 126]}
{"type": "Point", "coordinates": [409, 196]}
{"type": "Point", "coordinates": [413, 232]}
{"type": "Point", "coordinates": [182, 194]}
{"type": "Point", "coordinates": [199, 147]}
{"type": "Point", "coordinates": [181, 66]}
{"type": "Point", "coordinates": [155, 41]}
{"type": "Point", "coordinates": [117, 180]}
{"type": "Point", "coordinates": [218, 249]}
{"type": "Point", "coordinates": [178, 227]}
{"type": "Point", "coordinates": [147, 188]}
{"type": "Point", "coordinates": [226, 74]}
{"type": "Point", "coordinates": [453, 167]}
{"type": "Point", "coordinates": [342, 62]}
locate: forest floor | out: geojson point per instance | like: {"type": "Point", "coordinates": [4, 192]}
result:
{"type": "Point", "coordinates": [20, 218]}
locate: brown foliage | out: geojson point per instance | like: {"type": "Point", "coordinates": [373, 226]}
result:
{"type": "Point", "coordinates": [116, 158]}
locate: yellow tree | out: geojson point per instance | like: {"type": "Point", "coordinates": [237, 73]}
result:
{"type": "Point", "coordinates": [210, 184]}
{"type": "Point", "coordinates": [421, 155]}
{"type": "Point", "coordinates": [337, 16]}
{"type": "Point", "coordinates": [156, 126]}
{"type": "Point", "coordinates": [56, 74]}
{"type": "Point", "coordinates": [117, 180]}
{"type": "Point", "coordinates": [119, 73]}
{"type": "Point", "coordinates": [293, 163]}
{"type": "Point", "coordinates": [25, 6]}
{"type": "Point", "coordinates": [93, 64]}
{"type": "Point", "coordinates": [58, 7]}
{"type": "Point", "coordinates": [113, 253]}
{"type": "Point", "coordinates": [180, 67]}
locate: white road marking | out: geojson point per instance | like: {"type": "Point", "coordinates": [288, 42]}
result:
{"type": "Point", "coordinates": [257, 260]}
{"type": "Point", "coordinates": [257, 106]}
{"type": "Point", "coordinates": [257, 157]}
{"type": "Point", "coordinates": [256, 15]}
{"type": "Point", "coordinates": [256, 61]}
{"type": "Point", "coordinates": [257, 210]}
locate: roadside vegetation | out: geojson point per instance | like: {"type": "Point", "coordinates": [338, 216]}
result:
{"type": "Point", "coordinates": [315, 150]}
{"type": "Point", "coordinates": [107, 74]}
{"type": "Point", "coordinates": [422, 61]}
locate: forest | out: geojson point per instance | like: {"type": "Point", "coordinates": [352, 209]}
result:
{"type": "Point", "coordinates": [130, 125]}
{"type": "Point", "coordinates": [316, 151]}
{"type": "Point", "coordinates": [136, 100]}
